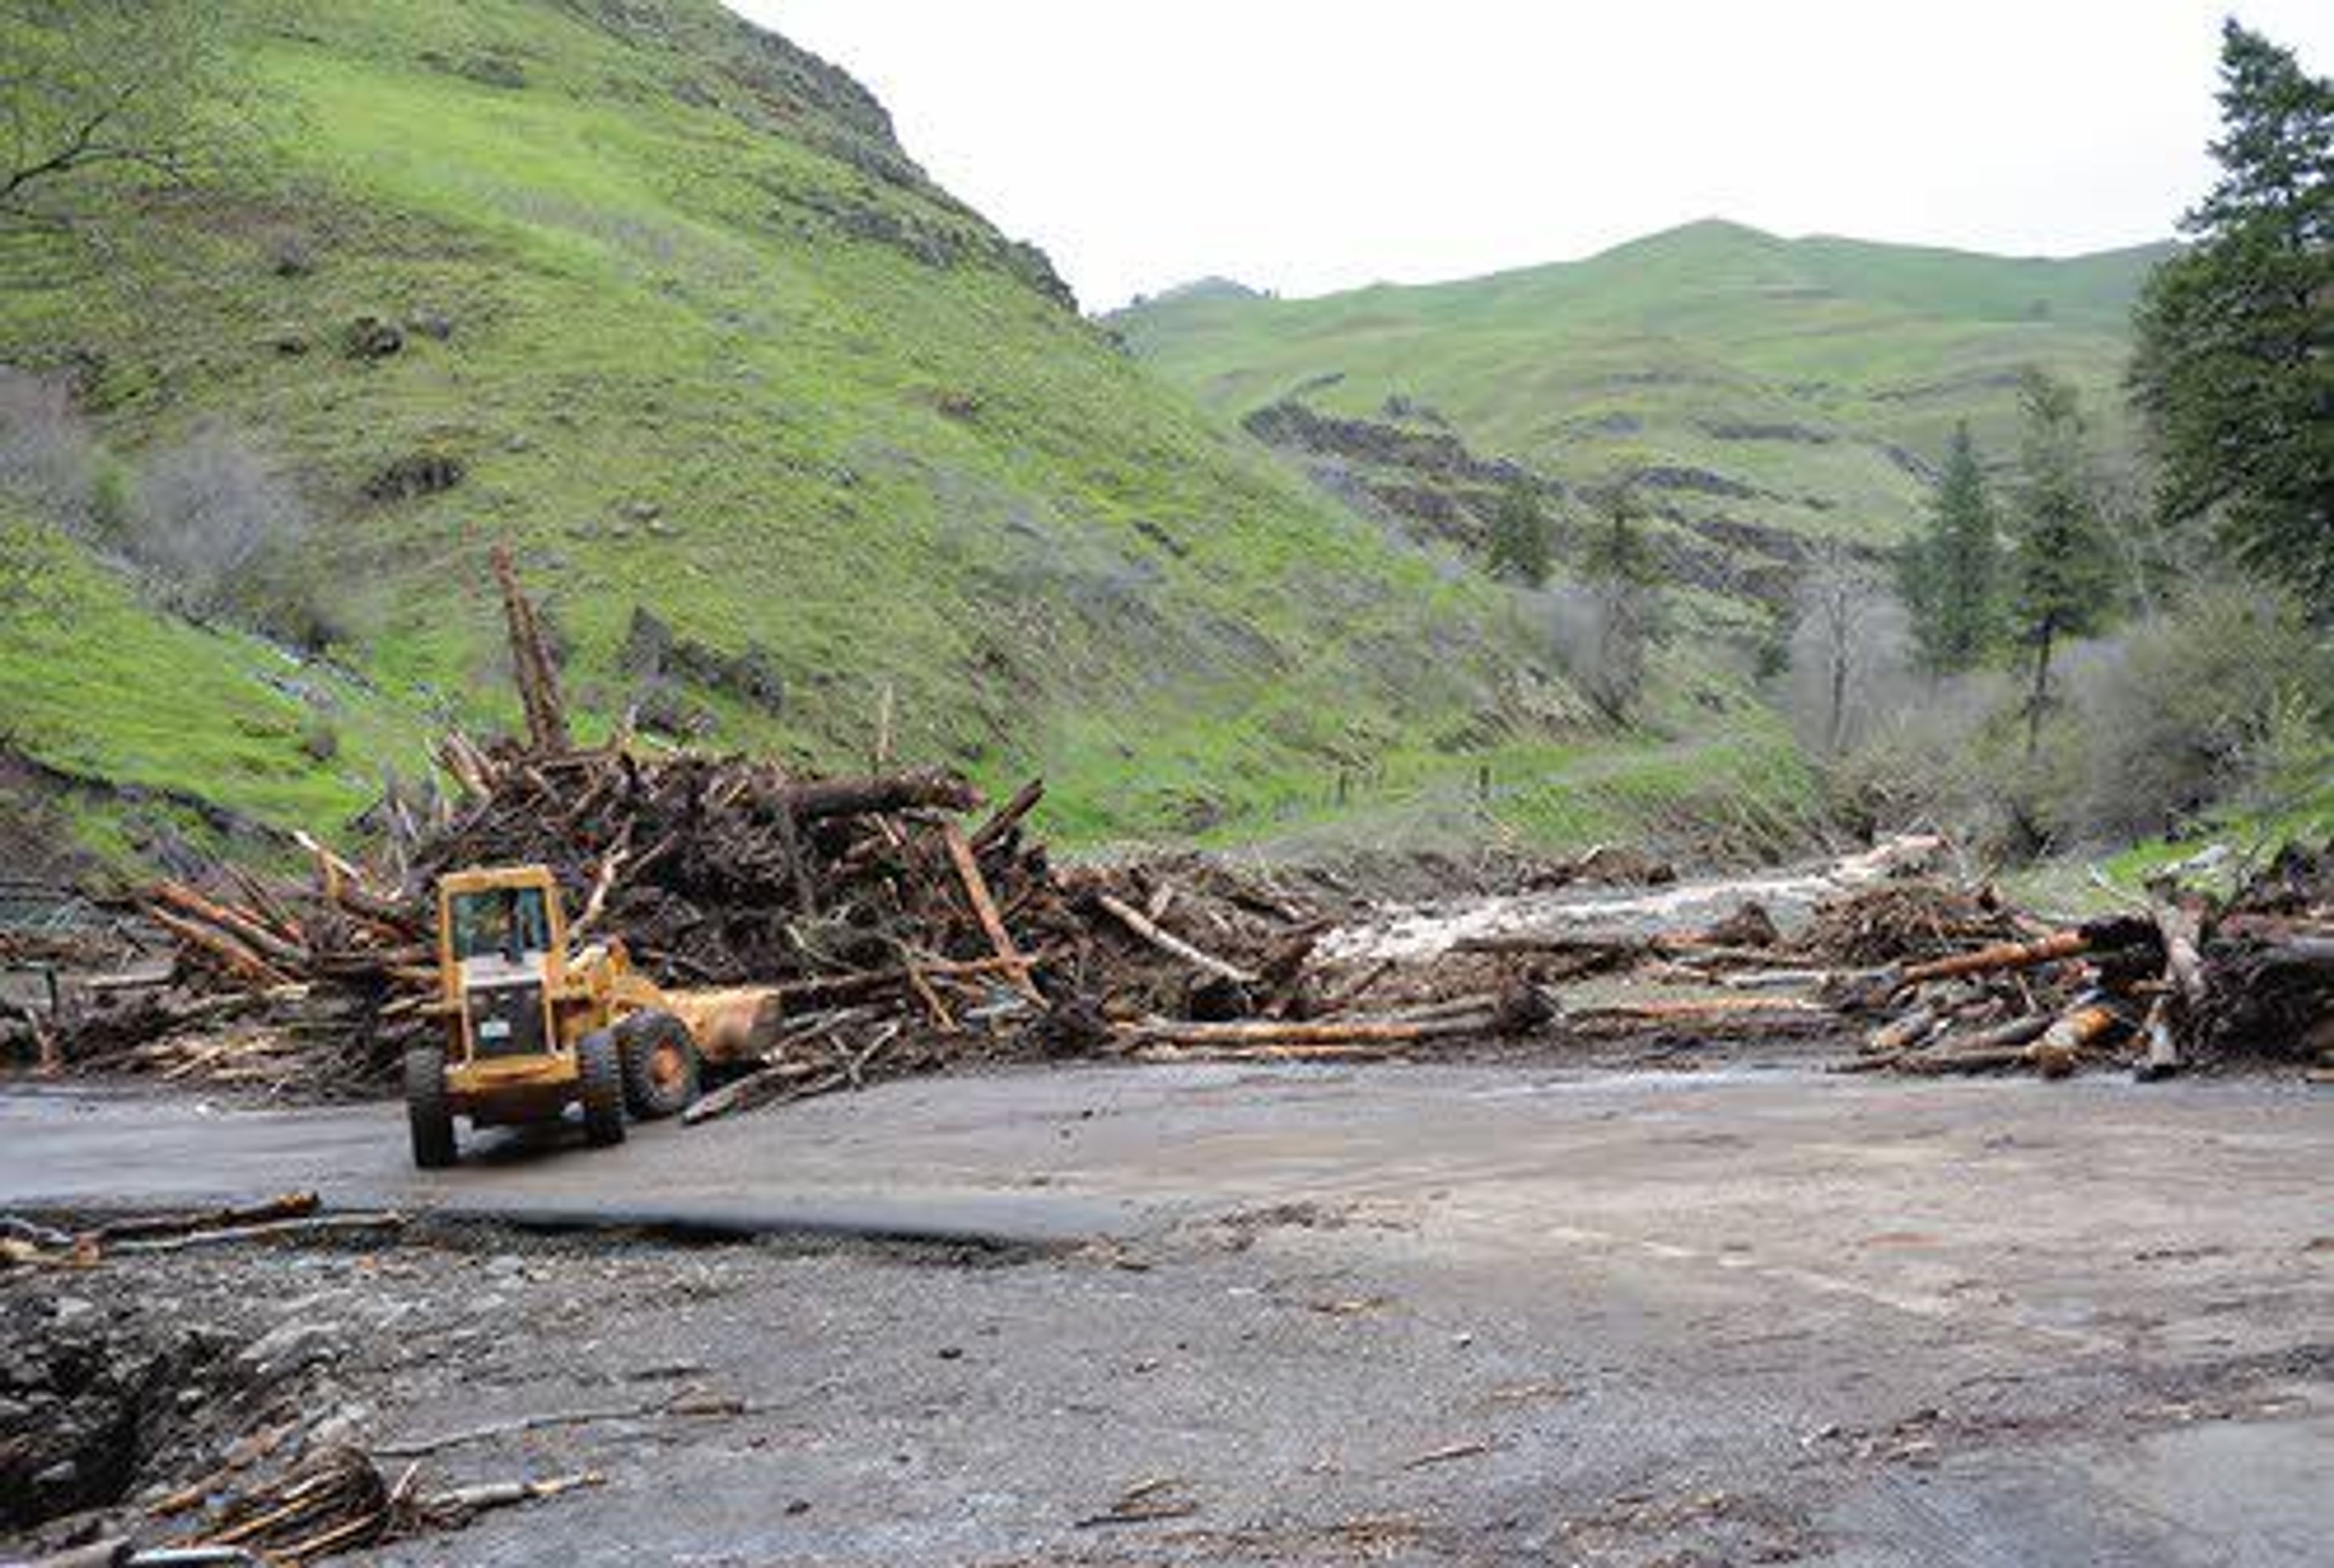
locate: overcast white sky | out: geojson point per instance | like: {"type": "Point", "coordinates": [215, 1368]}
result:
{"type": "Point", "coordinates": [1311, 145]}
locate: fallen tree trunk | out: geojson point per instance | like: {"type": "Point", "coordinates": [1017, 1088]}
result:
{"type": "Point", "coordinates": [1316, 1032]}
{"type": "Point", "coordinates": [928, 788]}
{"type": "Point", "coordinates": [1167, 942]}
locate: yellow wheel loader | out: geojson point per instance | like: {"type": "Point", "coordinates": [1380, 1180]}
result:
{"type": "Point", "coordinates": [532, 1027]}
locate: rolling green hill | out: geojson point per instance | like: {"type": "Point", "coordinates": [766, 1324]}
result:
{"type": "Point", "coordinates": [1764, 392]}
{"type": "Point", "coordinates": [775, 423]}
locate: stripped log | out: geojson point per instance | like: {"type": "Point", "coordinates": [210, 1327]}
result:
{"type": "Point", "coordinates": [1008, 817]}
{"type": "Point", "coordinates": [1906, 1034]}
{"type": "Point", "coordinates": [1316, 1032]}
{"type": "Point", "coordinates": [984, 908]}
{"type": "Point", "coordinates": [252, 933]}
{"type": "Point", "coordinates": [930, 788]}
{"type": "Point", "coordinates": [1999, 958]}
{"type": "Point", "coordinates": [531, 662]}
{"type": "Point", "coordinates": [2180, 928]}
{"type": "Point", "coordinates": [288, 1206]}
{"type": "Point", "coordinates": [1699, 1008]}
{"type": "Point", "coordinates": [2063, 1043]}
{"type": "Point", "coordinates": [228, 952]}
{"type": "Point", "coordinates": [1167, 942]}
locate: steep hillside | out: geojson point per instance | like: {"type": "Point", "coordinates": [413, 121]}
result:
{"type": "Point", "coordinates": [776, 423]}
{"type": "Point", "coordinates": [1763, 392]}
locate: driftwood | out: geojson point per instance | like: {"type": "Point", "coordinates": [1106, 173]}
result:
{"type": "Point", "coordinates": [984, 907]}
{"type": "Point", "coordinates": [323, 1225]}
{"type": "Point", "coordinates": [1008, 817]}
{"type": "Point", "coordinates": [2007, 955]}
{"type": "Point", "coordinates": [531, 661]}
{"type": "Point", "coordinates": [289, 1206]}
{"type": "Point", "coordinates": [1167, 942]}
{"type": "Point", "coordinates": [1331, 1032]}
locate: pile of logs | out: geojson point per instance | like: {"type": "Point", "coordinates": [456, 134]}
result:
{"type": "Point", "coordinates": [887, 929]}
{"type": "Point", "coordinates": [895, 927]}
{"type": "Point", "coordinates": [2180, 982]}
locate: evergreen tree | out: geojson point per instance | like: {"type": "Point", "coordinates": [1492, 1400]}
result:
{"type": "Point", "coordinates": [2061, 573]}
{"type": "Point", "coordinates": [1620, 576]}
{"type": "Point", "coordinates": [1950, 576]}
{"type": "Point", "coordinates": [1519, 543]}
{"type": "Point", "coordinates": [2232, 372]}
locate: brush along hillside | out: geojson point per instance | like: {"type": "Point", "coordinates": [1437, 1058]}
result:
{"type": "Point", "coordinates": [775, 425]}
{"type": "Point", "coordinates": [1759, 395]}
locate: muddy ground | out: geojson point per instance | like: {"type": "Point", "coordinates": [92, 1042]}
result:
{"type": "Point", "coordinates": [1467, 1314]}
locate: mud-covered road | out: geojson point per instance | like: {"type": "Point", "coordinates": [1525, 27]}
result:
{"type": "Point", "coordinates": [1430, 1314]}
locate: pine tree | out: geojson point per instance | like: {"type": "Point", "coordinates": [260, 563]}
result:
{"type": "Point", "coordinates": [2232, 370]}
{"type": "Point", "coordinates": [1950, 576]}
{"type": "Point", "coordinates": [1620, 574]}
{"type": "Point", "coordinates": [1519, 543]}
{"type": "Point", "coordinates": [2061, 574]}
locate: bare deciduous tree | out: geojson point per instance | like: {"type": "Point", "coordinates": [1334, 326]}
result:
{"type": "Point", "coordinates": [47, 455]}
{"type": "Point", "coordinates": [206, 512]}
{"type": "Point", "coordinates": [1848, 647]}
{"type": "Point", "coordinates": [90, 89]}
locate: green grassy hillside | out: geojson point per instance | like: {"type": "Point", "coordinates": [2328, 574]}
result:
{"type": "Point", "coordinates": [1799, 385]}
{"type": "Point", "coordinates": [681, 320]}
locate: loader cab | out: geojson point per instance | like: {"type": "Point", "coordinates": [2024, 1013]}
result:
{"type": "Point", "coordinates": [502, 957]}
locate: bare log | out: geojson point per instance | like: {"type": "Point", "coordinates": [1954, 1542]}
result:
{"type": "Point", "coordinates": [984, 908]}
{"type": "Point", "coordinates": [531, 662]}
{"type": "Point", "coordinates": [2056, 1053]}
{"type": "Point", "coordinates": [315, 1224]}
{"type": "Point", "coordinates": [288, 1206]}
{"type": "Point", "coordinates": [1008, 816]}
{"type": "Point", "coordinates": [1694, 1009]}
{"type": "Point", "coordinates": [881, 794]}
{"type": "Point", "coordinates": [464, 1501]}
{"type": "Point", "coordinates": [1167, 942]}
{"type": "Point", "coordinates": [1316, 1032]}
{"type": "Point", "coordinates": [2001, 958]}
{"type": "Point", "coordinates": [1906, 1034]}
{"type": "Point", "coordinates": [228, 952]}
{"type": "Point", "coordinates": [252, 933]}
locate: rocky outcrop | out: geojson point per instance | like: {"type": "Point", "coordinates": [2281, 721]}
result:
{"type": "Point", "coordinates": [1426, 480]}
{"type": "Point", "coordinates": [934, 240]}
{"type": "Point", "coordinates": [1435, 454]}
{"type": "Point", "coordinates": [1694, 481]}
{"type": "Point", "coordinates": [655, 654]}
{"type": "Point", "coordinates": [1766, 431]}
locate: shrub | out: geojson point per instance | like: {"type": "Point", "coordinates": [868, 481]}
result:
{"type": "Point", "coordinates": [2191, 708]}
{"type": "Point", "coordinates": [204, 513]}
{"type": "Point", "coordinates": [2222, 699]}
{"type": "Point", "coordinates": [47, 454]}
{"type": "Point", "coordinates": [320, 740]}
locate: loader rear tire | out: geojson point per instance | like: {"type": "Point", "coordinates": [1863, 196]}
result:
{"type": "Point", "coordinates": [598, 1064]}
{"type": "Point", "coordinates": [660, 1065]}
{"type": "Point", "coordinates": [427, 1110]}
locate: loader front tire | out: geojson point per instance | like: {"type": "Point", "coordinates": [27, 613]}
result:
{"type": "Point", "coordinates": [427, 1110]}
{"type": "Point", "coordinates": [660, 1065]}
{"type": "Point", "coordinates": [598, 1064]}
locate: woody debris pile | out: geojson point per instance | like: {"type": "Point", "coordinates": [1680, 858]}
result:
{"type": "Point", "coordinates": [894, 922]}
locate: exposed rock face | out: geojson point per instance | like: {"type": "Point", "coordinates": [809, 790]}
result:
{"type": "Point", "coordinates": [1698, 481]}
{"type": "Point", "coordinates": [1435, 454]}
{"type": "Point", "coordinates": [655, 653]}
{"type": "Point", "coordinates": [1766, 431]}
{"type": "Point", "coordinates": [416, 474]}
{"type": "Point", "coordinates": [1427, 480]}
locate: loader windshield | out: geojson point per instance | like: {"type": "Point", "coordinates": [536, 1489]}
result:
{"type": "Point", "coordinates": [507, 923]}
